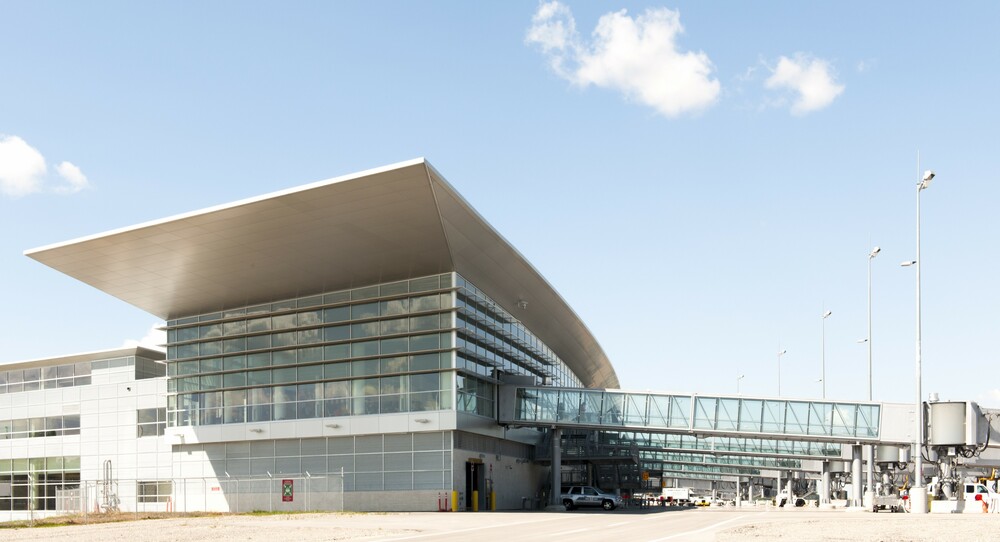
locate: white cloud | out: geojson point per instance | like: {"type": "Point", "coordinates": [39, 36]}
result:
{"type": "Point", "coordinates": [153, 339]}
{"type": "Point", "coordinates": [812, 80]}
{"type": "Point", "coordinates": [22, 167]}
{"type": "Point", "coordinates": [72, 174]}
{"type": "Point", "coordinates": [23, 171]}
{"type": "Point", "coordinates": [636, 56]}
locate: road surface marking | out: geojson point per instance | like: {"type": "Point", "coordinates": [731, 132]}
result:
{"type": "Point", "coordinates": [710, 527]}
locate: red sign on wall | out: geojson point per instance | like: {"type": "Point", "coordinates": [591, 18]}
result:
{"type": "Point", "coordinates": [287, 491]}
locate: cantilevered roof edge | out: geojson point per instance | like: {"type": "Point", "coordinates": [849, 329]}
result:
{"type": "Point", "coordinates": [231, 205]}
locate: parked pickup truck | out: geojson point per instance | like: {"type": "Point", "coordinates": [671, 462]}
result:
{"type": "Point", "coordinates": [574, 496]}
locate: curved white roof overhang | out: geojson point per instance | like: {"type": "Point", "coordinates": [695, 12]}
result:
{"type": "Point", "coordinates": [381, 225]}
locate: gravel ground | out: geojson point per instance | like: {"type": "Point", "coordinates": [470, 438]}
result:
{"type": "Point", "coordinates": [853, 527]}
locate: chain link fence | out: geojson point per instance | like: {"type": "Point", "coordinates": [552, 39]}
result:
{"type": "Point", "coordinates": [30, 497]}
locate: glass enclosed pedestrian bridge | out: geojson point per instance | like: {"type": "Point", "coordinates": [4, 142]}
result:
{"type": "Point", "coordinates": [707, 415]}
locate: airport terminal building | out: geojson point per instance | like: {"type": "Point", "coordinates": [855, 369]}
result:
{"type": "Point", "coordinates": [340, 342]}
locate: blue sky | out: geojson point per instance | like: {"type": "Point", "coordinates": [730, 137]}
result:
{"type": "Point", "coordinates": [700, 180]}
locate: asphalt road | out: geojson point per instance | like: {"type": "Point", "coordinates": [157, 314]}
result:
{"type": "Point", "coordinates": [633, 525]}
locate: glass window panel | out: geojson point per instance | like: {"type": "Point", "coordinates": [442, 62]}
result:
{"type": "Point", "coordinates": [256, 378]}
{"type": "Point", "coordinates": [750, 415]}
{"type": "Point", "coordinates": [211, 382]}
{"type": "Point", "coordinates": [284, 375]}
{"type": "Point", "coordinates": [337, 351]}
{"type": "Point", "coordinates": [335, 390]}
{"type": "Point", "coordinates": [772, 420]}
{"type": "Point", "coordinates": [337, 333]}
{"type": "Point", "coordinates": [362, 331]}
{"type": "Point", "coordinates": [260, 396]}
{"type": "Point", "coordinates": [259, 324]}
{"type": "Point", "coordinates": [364, 310]}
{"type": "Point", "coordinates": [337, 370]}
{"type": "Point", "coordinates": [234, 328]}
{"type": "Point", "coordinates": [424, 284]}
{"type": "Point", "coordinates": [337, 407]}
{"type": "Point", "coordinates": [423, 362]}
{"type": "Point", "coordinates": [314, 353]}
{"type": "Point", "coordinates": [819, 418]}
{"type": "Point", "coordinates": [635, 409]}
{"type": "Point", "coordinates": [284, 321]}
{"type": "Point", "coordinates": [212, 330]}
{"type": "Point", "coordinates": [259, 413]}
{"type": "Point", "coordinates": [231, 363]}
{"type": "Point", "coordinates": [393, 384]}
{"type": "Point", "coordinates": [425, 303]}
{"type": "Point", "coordinates": [231, 380]}
{"type": "Point", "coordinates": [424, 342]}
{"type": "Point", "coordinates": [309, 318]}
{"type": "Point", "coordinates": [367, 292]}
{"type": "Point", "coordinates": [365, 367]}
{"type": "Point", "coordinates": [336, 314]}
{"type": "Point", "coordinates": [309, 409]}
{"type": "Point", "coordinates": [394, 346]}
{"type": "Point", "coordinates": [283, 339]}
{"type": "Point", "coordinates": [424, 382]}
{"type": "Point", "coordinates": [211, 365]}
{"type": "Point", "coordinates": [366, 348]}
{"type": "Point", "coordinates": [239, 344]}
{"type": "Point", "coordinates": [309, 336]}
{"type": "Point", "coordinates": [51, 372]}
{"type": "Point", "coordinates": [187, 334]}
{"type": "Point", "coordinates": [843, 420]}
{"type": "Point", "coordinates": [262, 359]}
{"type": "Point", "coordinates": [283, 357]}
{"type": "Point", "coordinates": [394, 365]}
{"type": "Point", "coordinates": [309, 392]}
{"type": "Point", "coordinates": [395, 306]}
{"type": "Point", "coordinates": [258, 342]}
{"type": "Point", "coordinates": [392, 327]}
{"type": "Point", "coordinates": [796, 417]}
{"type": "Point", "coordinates": [424, 323]}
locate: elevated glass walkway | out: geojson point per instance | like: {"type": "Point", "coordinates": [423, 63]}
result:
{"type": "Point", "coordinates": [707, 415]}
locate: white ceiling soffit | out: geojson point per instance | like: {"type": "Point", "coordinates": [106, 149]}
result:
{"type": "Point", "coordinates": [391, 223]}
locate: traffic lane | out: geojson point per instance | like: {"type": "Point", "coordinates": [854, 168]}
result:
{"type": "Point", "coordinates": [640, 525]}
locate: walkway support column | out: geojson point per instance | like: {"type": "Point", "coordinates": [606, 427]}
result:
{"type": "Point", "coordinates": [856, 491]}
{"type": "Point", "coordinates": [824, 486]}
{"type": "Point", "coordinates": [870, 471]}
{"type": "Point", "coordinates": [556, 468]}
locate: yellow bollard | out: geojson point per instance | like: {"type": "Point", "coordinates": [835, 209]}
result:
{"type": "Point", "coordinates": [475, 500]}
{"type": "Point", "coordinates": [493, 501]}
{"type": "Point", "coordinates": [454, 501]}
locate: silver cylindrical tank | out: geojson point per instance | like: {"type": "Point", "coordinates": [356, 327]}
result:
{"type": "Point", "coordinates": [947, 424]}
{"type": "Point", "coordinates": [887, 454]}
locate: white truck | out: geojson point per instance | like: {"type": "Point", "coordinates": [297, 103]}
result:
{"type": "Point", "coordinates": [680, 496]}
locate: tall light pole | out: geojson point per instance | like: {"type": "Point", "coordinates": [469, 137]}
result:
{"type": "Point", "coordinates": [780, 353]}
{"type": "Point", "coordinates": [871, 256]}
{"type": "Point", "coordinates": [919, 491]}
{"type": "Point", "coordinates": [823, 362]}
{"type": "Point", "coordinates": [738, 378]}
{"type": "Point", "coordinates": [871, 447]}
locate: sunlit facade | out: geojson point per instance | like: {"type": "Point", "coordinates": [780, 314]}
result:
{"type": "Point", "coordinates": [349, 334]}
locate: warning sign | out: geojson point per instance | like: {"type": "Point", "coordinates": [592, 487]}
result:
{"type": "Point", "coordinates": [287, 491]}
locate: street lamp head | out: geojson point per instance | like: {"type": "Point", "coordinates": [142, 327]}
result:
{"type": "Point", "coordinates": [862, 341]}
{"type": "Point", "coordinates": [909, 263]}
{"type": "Point", "coordinates": [827, 314]}
{"type": "Point", "coordinates": [926, 181]}
{"type": "Point", "coordinates": [783, 352]}
{"type": "Point", "coordinates": [874, 252]}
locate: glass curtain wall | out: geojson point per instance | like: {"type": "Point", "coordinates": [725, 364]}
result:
{"type": "Point", "coordinates": [381, 349]}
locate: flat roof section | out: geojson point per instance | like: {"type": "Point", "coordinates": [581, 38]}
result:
{"type": "Point", "coordinates": [381, 225]}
